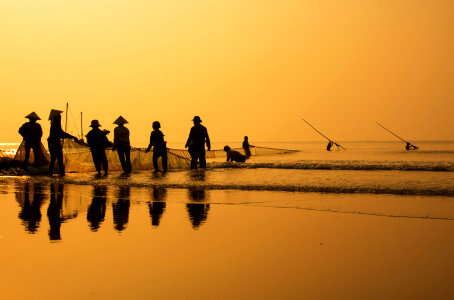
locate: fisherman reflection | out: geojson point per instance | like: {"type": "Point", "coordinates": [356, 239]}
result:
{"type": "Point", "coordinates": [197, 175]}
{"type": "Point", "coordinates": [31, 198]}
{"type": "Point", "coordinates": [158, 205]}
{"type": "Point", "coordinates": [197, 212]}
{"type": "Point", "coordinates": [97, 209]}
{"type": "Point", "coordinates": [54, 211]}
{"type": "Point", "coordinates": [120, 209]}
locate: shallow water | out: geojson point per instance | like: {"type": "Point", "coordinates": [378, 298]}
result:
{"type": "Point", "coordinates": [68, 241]}
{"type": "Point", "coordinates": [373, 222]}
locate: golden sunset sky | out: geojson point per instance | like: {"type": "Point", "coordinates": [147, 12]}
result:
{"type": "Point", "coordinates": [246, 67]}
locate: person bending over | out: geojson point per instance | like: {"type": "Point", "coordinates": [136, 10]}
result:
{"type": "Point", "coordinates": [233, 155]}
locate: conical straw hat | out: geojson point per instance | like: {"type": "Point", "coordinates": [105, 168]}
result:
{"type": "Point", "coordinates": [33, 115]}
{"type": "Point", "coordinates": [120, 121]}
{"type": "Point", "coordinates": [54, 113]}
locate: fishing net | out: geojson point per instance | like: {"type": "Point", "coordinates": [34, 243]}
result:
{"type": "Point", "coordinates": [78, 159]}
{"type": "Point", "coordinates": [221, 153]}
{"type": "Point", "coordinates": [39, 159]}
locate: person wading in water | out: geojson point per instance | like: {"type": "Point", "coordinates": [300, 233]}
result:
{"type": "Point", "coordinates": [159, 147]}
{"type": "Point", "coordinates": [198, 136]}
{"type": "Point", "coordinates": [55, 142]}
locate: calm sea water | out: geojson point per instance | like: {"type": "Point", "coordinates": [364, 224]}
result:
{"type": "Point", "coordinates": [372, 222]}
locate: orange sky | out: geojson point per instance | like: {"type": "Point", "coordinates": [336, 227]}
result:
{"type": "Point", "coordinates": [246, 67]}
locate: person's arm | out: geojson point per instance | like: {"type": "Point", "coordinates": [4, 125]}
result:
{"type": "Point", "coordinates": [151, 142]}
{"type": "Point", "coordinates": [40, 132]}
{"type": "Point", "coordinates": [189, 141]}
{"type": "Point", "coordinates": [207, 139]}
{"type": "Point", "coordinates": [21, 131]}
{"type": "Point", "coordinates": [65, 135]}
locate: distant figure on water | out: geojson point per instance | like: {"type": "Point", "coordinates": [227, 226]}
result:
{"type": "Point", "coordinates": [233, 155]}
{"type": "Point", "coordinates": [159, 147]}
{"type": "Point", "coordinates": [198, 136]}
{"type": "Point", "coordinates": [411, 147]}
{"type": "Point", "coordinates": [246, 146]}
{"type": "Point", "coordinates": [122, 144]}
{"type": "Point", "coordinates": [98, 142]}
{"type": "Point", "coordinates": [55, 142]}
{"type": "Point", "coordinates": [32, 133]}
{"type": "Point", "coordinates": [329, 146]}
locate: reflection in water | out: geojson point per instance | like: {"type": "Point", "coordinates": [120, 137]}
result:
{"type": "Point", "coordinates": [31, 198]}
{"type": "Point", "coordinates": [54, 211]}
{"type": "Point", "coordinates": [158, 206]}
{"type": "Point", "coordinates": [197, 175]}
{"type": "Point", "coordinates": [97, 209]}
{"type": "Point", "coordinates": [120, 209]}
{"type": "Point", "coordinates": [197, 212]}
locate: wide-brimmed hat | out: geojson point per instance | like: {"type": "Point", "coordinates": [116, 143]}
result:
{"type": "Point", "coordinates": [156, 124]}
{"type": "Point", "coordinates": [33, 115]}
{"type": "Point", "coordinates": [197, 119]}
{"type": "Point", "coordinates": [54, 113]}
{"type": "Point", "coordinates": [95, 123]}
{"type": "Point", "coordinates": [120, 121]}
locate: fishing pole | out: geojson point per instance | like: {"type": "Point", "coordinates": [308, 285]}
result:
{"type": "Point", "coordinates": [393, 133]}
{"type": "Point", "coordinates": [337, 145]}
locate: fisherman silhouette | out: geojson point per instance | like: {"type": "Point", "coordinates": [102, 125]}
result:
{"type": "Point", "coordinates": [411, 147]}
{"type": "Point", "coordinates": [330, 144]}
{"type": "Point", "coordinates": [198, 136]}
{"type": "Point", "coordinates": [197, 212]}
{"type": "Point", "coordinates": [33, 199]}
{"type": "Point", "coordinates": [233, 155]}
{"type": "Point", "coordinates": [55, 142]}
{"type": "Point", "coordinates": [246, 147]}
{"type": "Point", "coordinates": [120, 209]}
{"type": "Point", "coordinates": [97, 209]}
{"type": "Point", "coordinates": [54, 211]}
{"type": "Point", "coordinates": [98, 142]}
{"type": "Point", "coordinates": [122, 144]}
{"type": "Point", "coordinates": [32, 133]}
{"type": "Point", "coordinates": [159, 147]}
{"type": "Point", "coordinates": [158, 205]}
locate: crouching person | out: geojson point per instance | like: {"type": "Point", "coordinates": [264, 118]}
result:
{"type": "Point", "coordinates": [233, 155]}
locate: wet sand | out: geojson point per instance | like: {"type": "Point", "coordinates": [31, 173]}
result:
{"type": "Point", "coordinates": [149, 243]}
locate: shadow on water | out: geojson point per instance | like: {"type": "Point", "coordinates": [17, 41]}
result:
{"type": "Point", "coordinates": [30, 197]}
{"type": "Point", "coordinates": [120, 208]}
{"type": "Point", "coordinates": [157, 206]}
{"type": "Point", "coordinates": [197, 210]}
{"type": "Point", "coordinates": [97, 209]}
{"type": "Point", "coordinates": [197, 175]}
{"type": "Point", "coordinates": [54, 211]}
